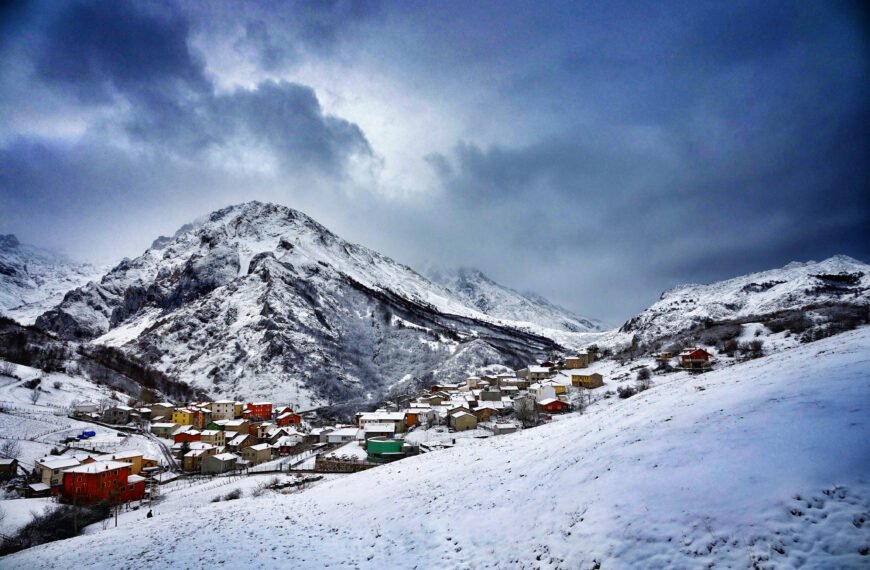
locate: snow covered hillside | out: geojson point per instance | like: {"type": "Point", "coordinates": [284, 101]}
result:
{"type": "Point", "coordinates": [839, 279]}
{"type": "Point", "coordinates": [504, 303]}
{"type": "Point", "coordinates": [762, 464]}
{"type": "Point", "coordinates": [259, 300]}
{"type": "Point", "coordinates": [32, 280]}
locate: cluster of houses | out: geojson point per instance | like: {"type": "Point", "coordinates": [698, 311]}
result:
{"type": "Point", "coordinates": [84, 478]}
{"type": "Point", "coordinates": [490, 401]}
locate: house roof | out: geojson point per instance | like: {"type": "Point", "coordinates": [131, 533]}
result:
{"type": "Point", "coordinates": [58, 462]}
{"type": "Point", "coordinates": [226, 457]}
{"type": "Point", "coordinates": [98, 467]}
{"type": "Point", "coordinates": [460, 414]}
{"type": "Point", "coordinates": [135, 479]}
{"type": "Point", "coordinates": [549, 401]}
{"type": "Point", "coordinates": [539, 369]}
{"type": "Point", "coordinates": [260, 447]}
{"type": "Point", "coordinates": [349, 431]}
{"type": "Point", "coordinates": [379, 427]}
{"type": "Point", "coordinates": [239, 439]}
{"type": "Point", "coordinates": [39, 487]}
{"type": "Point", "coordinates": [382, 416]}
{"type": "Point", "coordinates": [5, 461]}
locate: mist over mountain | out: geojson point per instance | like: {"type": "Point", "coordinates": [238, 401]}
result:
{"type": "Point", "coordinates": [34, 279]}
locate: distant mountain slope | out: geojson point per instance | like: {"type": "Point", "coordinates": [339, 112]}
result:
{"type": "Point", "coordinates": [32, 280]}
{"type": "Point", "coordinates": [501, 302]}
{"type": "Point", "coordinates": [837, 280]}
{"type": "Point", "coordinates": [763, 464]}
{"type": "Point", "coordinates": [259, 300]}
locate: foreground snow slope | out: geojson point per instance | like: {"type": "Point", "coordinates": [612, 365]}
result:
{"type": "Point", "coordinates": [765, 462]}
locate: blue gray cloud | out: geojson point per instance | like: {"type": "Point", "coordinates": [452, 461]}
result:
{"type": "Point", "coordinates": [597, 152]}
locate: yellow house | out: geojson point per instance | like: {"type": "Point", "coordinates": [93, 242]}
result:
{"type": "Point", "coordinates": [559, 387]}
{"type": "Point", "coordinates": [215, 437]}
{"type": "Point", "coordinates": [134, 458]}
{"type": "Point", "coordinates": [587, 379]}
{"type": "Point", "coordinates": [183, 417]}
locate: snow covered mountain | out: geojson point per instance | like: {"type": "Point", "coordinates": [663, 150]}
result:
{"type": "Point", "coordinates": [759, 465]}
{"type": "Point", "coordinates": [259, 300]}
{"type": "Point", "coordinates": [501, 302]}
{"type": "Point", "coordinates": [32, 280]}
{"type": "Point", "coordinates": [839, 280]}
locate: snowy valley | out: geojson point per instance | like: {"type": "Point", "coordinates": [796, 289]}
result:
{"type": "Point", "coordinates": [231, 374]}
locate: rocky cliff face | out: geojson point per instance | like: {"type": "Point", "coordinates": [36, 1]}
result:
{"type": "Point", "coordinates": [32, 279]}
{"type": "Point", "coordinates": [259, 300]}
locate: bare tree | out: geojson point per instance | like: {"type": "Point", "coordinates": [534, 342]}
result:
{"type": "Point", "coordinates": [526, 411]}
{"type": "Point", "coordinates": [643, 378]}
{"type": "Point", "coordinates": [10, 449]}
{"type": "Point", "coordinates": [34, 395]}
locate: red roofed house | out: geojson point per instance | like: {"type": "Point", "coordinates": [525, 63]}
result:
{"type": "Point", "coordinates": [695, 359]}
{"type": "Point", "coordinates": [553, 406]}
{"type": "Point", "coordinates": [102, 481]}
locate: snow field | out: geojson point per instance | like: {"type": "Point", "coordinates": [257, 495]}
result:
{"type": "Point", "coordinates": [765, 462]}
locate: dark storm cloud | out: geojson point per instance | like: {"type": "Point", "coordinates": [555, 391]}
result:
{"type": "Point", "coordinates": [605, 151]}
{"type": "Point", "coordinates": [280, 35]}
{"type": "Point", "coordinates": [140, 54]}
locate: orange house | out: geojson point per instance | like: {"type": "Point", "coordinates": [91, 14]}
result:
{"type": "Point", "coordinates": [102, 481]}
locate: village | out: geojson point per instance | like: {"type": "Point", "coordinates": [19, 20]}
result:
{"type": "Point", "coordinates": [227, 437]}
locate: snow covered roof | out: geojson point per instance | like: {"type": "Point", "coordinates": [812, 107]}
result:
{"type": "Point", "coordinates": [226, 457]}
{"type": "Point", "coordinates": [379, 427]}
{"type": "Point", "coordinates": [460, 414]}
{"type": "Point", "coordinates": [260, 447]}
{"type": "Point", "coordinates": [237, 440]}
{"type": "Point", "coordinates": [39, 487]}
{"type": "Point", "coordinates": [135, 479]}
{"type": "Point", "coordinates": [381, 415]}
{"type": "Point", "coordinates": [6, 461]}
{"type": "Point", "coordinates": [548, 401]}
{"type": "Point", "coordinates": [58, 462]}
{"type": "Point", "coordinates": [98, 467]}
{"type": "Point", "coordinates": [347, 431]}
{"type": "Point", "coordinates": [539, 369]}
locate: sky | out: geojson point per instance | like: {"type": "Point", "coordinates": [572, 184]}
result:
{"type": "Point", "coordinates": [597, 153]}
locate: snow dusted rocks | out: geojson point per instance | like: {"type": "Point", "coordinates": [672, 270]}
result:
{"type": "Point", "coordinates": [839, 279]}
{"type": "Point", "coordinates": [259, 300]}
{"type": "Point", "coordinates": [501, 302]}
{"type": "Point", "coordinates": [33, 280]}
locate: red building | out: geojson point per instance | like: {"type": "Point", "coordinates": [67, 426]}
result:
{"type": "Point", "coordinates": [188, 436]}
{"type": "Point", "coordinates": [259, 411]}
{"type": "Point", "coordinates": [553, 406]}
{"type": "Point", "coordinates": [102, 481]}
{"type": "Point", "coordinates": [695, 359]}
{"type": "Point", "coordinates": [288, 418]}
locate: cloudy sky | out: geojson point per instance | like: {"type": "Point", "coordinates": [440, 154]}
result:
{"type": "Point", "coordinates": [594, 152]}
